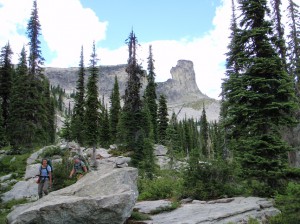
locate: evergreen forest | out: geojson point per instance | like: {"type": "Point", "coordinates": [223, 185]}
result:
{"type": "Point", "coordinates": [248, 151]}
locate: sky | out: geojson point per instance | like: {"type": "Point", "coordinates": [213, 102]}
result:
{"type": "Point", "coordinates": [195, 30]}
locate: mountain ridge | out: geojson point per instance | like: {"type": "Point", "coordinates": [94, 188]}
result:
{"type": "Point", "coordinates": [182, 93]}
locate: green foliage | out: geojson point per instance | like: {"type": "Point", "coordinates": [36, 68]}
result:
{"type": "Point", "coordinates": [168, 184]}
{"type": "Point", "coordinates": [91, 116]}
{"type": "Point", "coordinates": [114, 111]}
{"type": "Point", "coordinates": [138, 216]}
{"type": "Point", "coordinates": [173, 206]}
{"type": "Point", "coordinates": [130, 128]}
{"type": "Point", "coordinates": [66, 132]}
{"type": "Point", "coordinates": [6, 73]}
{"type": "Point", "coordinates": [150, 94]}
{"type": "Point", "coordinates": [51, 151]}
{"type": "Point", "coordinates": [77, 119]}
{"type": "Point", "coordinates": [14, 164]}
{"type": "Point", "coordinates": [5, 208]}
{"type": "Point", "coordinates": [61, 174]}
{"type": "Point", "coordinates": [258, 98]}
{"type": "Point", "coordinates": [163, 119]}
{"type": "Point", "coordinates": [289, 205]}
{"type": "Point", "coordinates": [210, 180]}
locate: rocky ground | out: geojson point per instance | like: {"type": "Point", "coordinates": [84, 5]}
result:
{"type": "Point", "coordinates": [111, 192]}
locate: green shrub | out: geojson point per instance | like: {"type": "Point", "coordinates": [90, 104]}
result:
{"type": "Point", "coordinates": [167, 185]}
{"type": "Point", "coordinates": [13, 164]}
{"type": "Point", "coordinates": [289, 205]}
{"type": "Point", "coordinates": [61, 174]}
{"type": "Point", "coordinates": [51, 151]}
{"type": "Point", "coordinates": [172, 207]}
{"type": "Point", "coordinates": [138, 216]}
{"type": "Point", "coordinates": [211, 180]}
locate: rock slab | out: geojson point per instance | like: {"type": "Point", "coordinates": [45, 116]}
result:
{"type": "Point", "coordinates": [236, 210]}
{"type": "Point", "coordinates": [103, 196]}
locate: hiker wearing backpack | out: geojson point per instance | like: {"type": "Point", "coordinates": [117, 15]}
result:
{"type": "Point", "coordinates": [79, 168]}
{"type": "Point", "coordinates": [45, 178]}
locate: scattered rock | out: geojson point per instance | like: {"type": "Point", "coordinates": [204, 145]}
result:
{"type": "Point", "coordinates": [160, 150]}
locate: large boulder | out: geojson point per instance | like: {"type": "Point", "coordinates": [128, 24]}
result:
{"type": "Point", "coordinates": [104, 196]}
{"type": "Point", "coordinates": [22, 189]}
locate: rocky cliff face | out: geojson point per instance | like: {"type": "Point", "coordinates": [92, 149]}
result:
{"type": "Point", "coordinates": [182, 93]}
{"type": "Point", "coordinates": [182, 87]}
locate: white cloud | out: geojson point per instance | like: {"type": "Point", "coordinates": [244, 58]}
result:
{"type": "Point", "coordinates": [206, 52]}
{"type": "Point", "coordinates": [66, 25]}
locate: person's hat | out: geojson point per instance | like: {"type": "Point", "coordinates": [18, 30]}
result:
{"type": "Point", "coordinates": [76, 157]}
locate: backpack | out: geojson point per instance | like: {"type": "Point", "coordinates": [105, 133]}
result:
{"type": "Point", "coordinates": [82, 158]}
{"type": "Point", "coordinates": [49, 163]}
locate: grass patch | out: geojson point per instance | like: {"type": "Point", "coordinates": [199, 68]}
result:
{"type": "Point", "coordinates": [5, 208]}
{"type": "Point", "coordinates": [138, 216]}
{"type": "Point", "coordinates": [13, 164]}
{"type": "Point", "coordinates": [169, 208]}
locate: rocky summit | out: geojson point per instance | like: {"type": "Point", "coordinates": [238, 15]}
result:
{"type": "Point", "coordinates": [182, 93]}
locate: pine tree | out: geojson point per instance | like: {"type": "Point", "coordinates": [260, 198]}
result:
{"type": "Point", "coordinates": [104, 134]}
{"type": "Point", "coordinates": [130, 130]}
{"type": "Point", "coordinates": [279, 31]}
{"type": "Point", "coordinates": [6, 73]}
{"type": "Point", "coordinates": [294, 43]}
{"type": "Point", "coordinates": [40, 98]}
{"type": "Point", "coordinates": [173, 142]}
{"type": "Point", "coordinates": [114, 111]}
{"type": "Point", "coordinates": [36, 59]}
{"type": "Point", "coordinates": [66, 129]}
{"type": "Point", "coordinates": [162, 119]}
{"type": "Point", "coordinates": [77, 119]}
{"type": "Point", "coordinates": [21, 126]}
{"type": "Point", "coordinates": [204, 134]}
{"type": "Point", "coordinates": [148, 164]}
{"type": "Point", "coordinates": [92, 103]}
{"type": "Point", "coordinates": [3, 138]}
{"type": "Point", "coordinates": [150, 93]}
{"type": "Point", "coordinates": [259, 99]}
{"type": "Point", "coordinates": [232, 80]}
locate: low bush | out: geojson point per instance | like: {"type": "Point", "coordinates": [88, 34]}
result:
{"type": "Point", "coordinates": [51, 151]}
{"type": "Point", "coordinates": [289, 205]}
{"type": "Point", "coordinates": [167, 184]}
{"type": "Point", "coordinates": [211, 180]}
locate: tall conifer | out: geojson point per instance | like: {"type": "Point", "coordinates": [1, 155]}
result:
{"type": "Point", "coordinates": [130, 129]}
{"type": "Point", "coordinates": [114, 111]}
{"type": "Point", "coordinates": [40, 97]}
{"type": "Point", "coordinates": [92, 103]}
{"type": "Point", "coordinates": [6, 73]}
{"type": "Point", "coordinates": [77, 119]}
{"type": "Point", "coordinates": [162, 119]}
{"type": "Point", "coordinates": [294, 43]}
{"type": "Point", "coordinates": [150, 93]}
{"type": "Point", "coordinates": [279, 31]}
{"type": "Point", "coordinates": [259, 99]}
{"type": "Point", "coordinates": [204, 134]}
{"type": "Point", "coordinates": [21, 127]}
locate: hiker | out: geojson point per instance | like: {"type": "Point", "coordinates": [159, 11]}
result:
{"type": "Point", "coordinates": [79, 168]}
{"type": "Point", "coordinates": [45, 178]}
